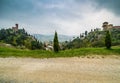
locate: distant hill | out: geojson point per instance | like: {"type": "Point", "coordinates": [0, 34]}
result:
{"type": "Point", "coordinates": [44, 38]}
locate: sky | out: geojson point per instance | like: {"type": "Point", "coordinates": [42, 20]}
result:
{"type": "Point", "coordinates": [68, 17]}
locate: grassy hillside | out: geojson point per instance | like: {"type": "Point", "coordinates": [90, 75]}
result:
{"type": "Point", "coordinates": [12, 52]}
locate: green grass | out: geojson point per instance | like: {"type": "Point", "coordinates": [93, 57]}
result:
{"type": "Point", "coordinates": [12, 52]}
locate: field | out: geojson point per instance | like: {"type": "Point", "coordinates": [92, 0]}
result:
{"type": "Point", "coordinates": [82, 52]}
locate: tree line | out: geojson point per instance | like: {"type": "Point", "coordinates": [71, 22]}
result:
{"type": "Point", "coordinates": [94, 38]}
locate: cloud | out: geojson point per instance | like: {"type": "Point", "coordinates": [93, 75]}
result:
{"type": "Point", "coordinates": [70, 17]}
{"type": "Point", "coordinates": [112, 5]}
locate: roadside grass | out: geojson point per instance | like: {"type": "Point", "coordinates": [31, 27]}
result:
{"type": "Point", "coordinates": [13, 52]}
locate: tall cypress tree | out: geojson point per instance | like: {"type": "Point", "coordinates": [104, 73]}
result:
{"type": "Point", "coordinates": [108, 40]}
{"type": "Point", "coordinates": [56, 43]}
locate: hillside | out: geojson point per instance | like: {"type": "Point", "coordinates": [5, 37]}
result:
{"type": "Point", "coordinates": [19, 38]}
{"type": "Point", "coordinates": [94, 38]}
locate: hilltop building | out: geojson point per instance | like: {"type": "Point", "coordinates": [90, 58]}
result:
{"type": "Point", "coordinates": [116, 27]}
{"type": "Point", "coordinates": [15, 28]}
{"type": "Point", "coordinates": [107, 26]}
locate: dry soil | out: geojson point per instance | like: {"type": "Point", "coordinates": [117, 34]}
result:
{"type": "Point", "coordinates": [60, 70]}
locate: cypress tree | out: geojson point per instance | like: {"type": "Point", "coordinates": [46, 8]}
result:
{"type": "Point", "coordinates": [108, 40]}
{"type": "Point", "coordinates": [56, 43]}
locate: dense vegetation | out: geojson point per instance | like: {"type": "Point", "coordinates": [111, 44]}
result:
{"type": "Point", "coordinates": [94, 38]}
{"type": "Point", "coordinates": [20, 39]}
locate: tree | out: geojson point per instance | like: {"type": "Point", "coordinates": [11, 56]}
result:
{"type": "Point", "coordinates": [56, 43]}
{"type": "Point", "coordinates": [108, 40]}
{"type": "Point", "coordinates": [86, 33]}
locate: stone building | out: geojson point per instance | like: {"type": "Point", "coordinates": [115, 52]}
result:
{"type": "Point", "coordinates": [15, 28]}
{"type": "Point", "coordinates": [107, 26]}
{"type": "Point", "coordinates": [117, 27]}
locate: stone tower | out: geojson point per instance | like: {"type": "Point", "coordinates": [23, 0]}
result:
{"type": "Point", "coordinates": [15, 28]}
{"type": "Point", "coordinates": [107, 26]}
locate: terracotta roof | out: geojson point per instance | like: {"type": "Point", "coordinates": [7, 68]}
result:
{"type": "Point", "coordinates": [116, 27]}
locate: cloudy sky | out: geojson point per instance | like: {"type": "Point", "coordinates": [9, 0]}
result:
{"type": "Point", "coordinates": [69, 17]}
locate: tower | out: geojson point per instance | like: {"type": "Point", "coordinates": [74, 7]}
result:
{"type": "Point", "coordinates": [15, 28]}
{"type": "Point", "coordinates": [105, 25]}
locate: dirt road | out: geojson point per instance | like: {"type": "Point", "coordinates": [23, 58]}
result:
{"type": "Point", "coordinates": [59, 70]}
